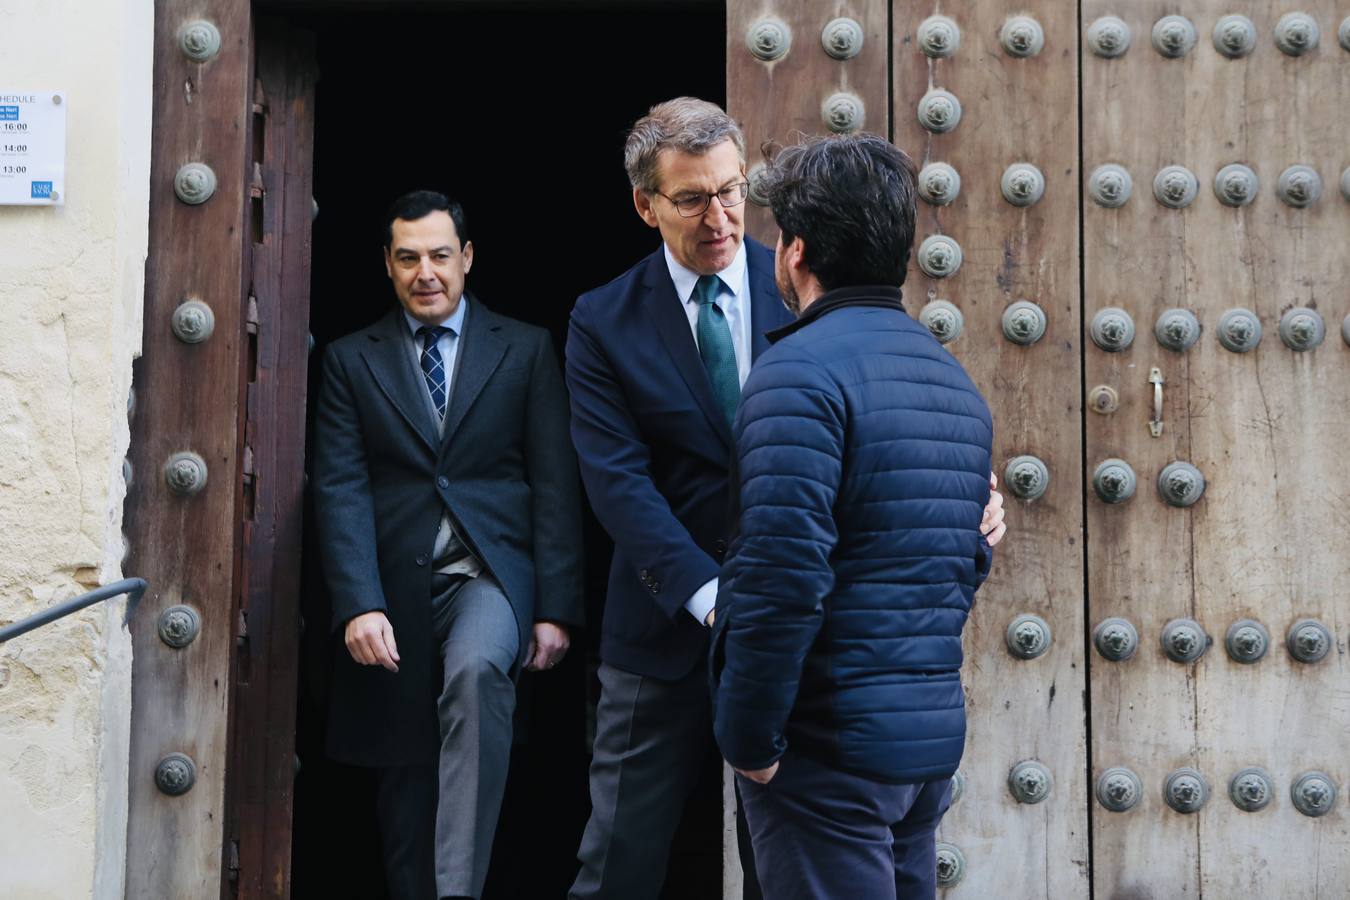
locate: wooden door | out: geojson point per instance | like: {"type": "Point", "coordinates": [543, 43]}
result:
{"type": "Point", "coordinates": [1048, 94]}
{"type": "Point", "coordinates": [263, 762]}
{"type": "Point", "coordinates": [183, 509]}
{"type": "Point", "coordinates": [1267, 541]}
{"type": "Point", "coordinates": [213, 513]}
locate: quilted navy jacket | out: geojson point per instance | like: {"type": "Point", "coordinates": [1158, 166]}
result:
{"type": "Point", "coordinates": [863, 451]}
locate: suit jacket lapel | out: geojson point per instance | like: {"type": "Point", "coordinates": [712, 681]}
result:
{"type": "Point", "coordinates": [480, 352]}
{"type": "Point", "coordinates": [767, 311]}
{"type": "Point", "coordinates": [391, 366]}
{"type": "Point", "coordinates": [673, 325]}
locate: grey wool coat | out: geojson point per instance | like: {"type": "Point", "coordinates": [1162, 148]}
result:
{"type": "Point", "coordinates": [382, 474]}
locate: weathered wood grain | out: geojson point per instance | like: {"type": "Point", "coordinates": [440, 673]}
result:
{"type": "Point", "coordinates": [1268, 429]}
{"type": "Point", "coordinates": [780, 100]}
{"type": "Point", "coordinates": [188, 398]}
{"type": "Point", "coordinates": [262, 770]}
{"type": "Point", "coordinates": [1268, 539]}
{"type": "Point", "coordinates": [1014, 110]}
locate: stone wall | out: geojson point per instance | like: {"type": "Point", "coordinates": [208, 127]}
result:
{"type": "Point", "coordinates": [71, 285]}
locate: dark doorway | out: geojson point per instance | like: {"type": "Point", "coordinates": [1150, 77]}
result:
{"type": "Point", "coordinates": [521, 116]}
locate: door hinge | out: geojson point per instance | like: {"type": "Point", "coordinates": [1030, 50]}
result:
{"type": "Point", "coordinates": [232, 859]}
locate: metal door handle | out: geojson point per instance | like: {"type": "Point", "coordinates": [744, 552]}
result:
{"type": "Point", "coordinates": [1155, 378]}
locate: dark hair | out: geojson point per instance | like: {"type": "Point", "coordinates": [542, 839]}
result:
{"type": "Point", "coordinates": [417, 204]}
{"type": "Point", "coordinates": [850, 198]}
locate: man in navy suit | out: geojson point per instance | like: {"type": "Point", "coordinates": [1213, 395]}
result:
{"type": "Point", "coordinates": [449, 521]}
{"type": "Point", "coordinates": [655, 363]}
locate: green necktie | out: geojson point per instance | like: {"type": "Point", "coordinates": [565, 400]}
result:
{"type": "Point", "coordinates": [716, 348]}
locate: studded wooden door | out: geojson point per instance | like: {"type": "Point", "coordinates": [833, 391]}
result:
{"type": "Point", "coordinates": [1041, 130]}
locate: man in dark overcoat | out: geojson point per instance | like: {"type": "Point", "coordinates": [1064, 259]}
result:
{"type": "Point", "coordinates": [449, 520]}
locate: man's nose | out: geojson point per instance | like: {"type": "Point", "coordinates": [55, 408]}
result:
{"type": "Point", "coordinates": [716, 215]}
{"type": "Point", "coordinates": [425, 271]}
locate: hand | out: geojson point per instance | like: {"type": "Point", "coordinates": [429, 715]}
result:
{"type": "Point", "coordinates": [760, 776]}
{"type": "Point", "coordinates": [370, 640]}
{"type": "Point", "coordinates": [547, 647]}
{"type": "Point", "coordinates": [992, 525]}
{"type": "Point", "coordinates": [712, 614]}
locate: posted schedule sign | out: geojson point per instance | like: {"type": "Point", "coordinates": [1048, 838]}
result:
{"type": "Point", "coordinates": [32, 148]}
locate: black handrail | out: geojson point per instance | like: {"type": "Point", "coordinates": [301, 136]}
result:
{"type": "Point", "coordinates": [132, 587]}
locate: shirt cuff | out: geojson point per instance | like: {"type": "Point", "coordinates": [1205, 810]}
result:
{"type": "Point", "coordinates": [703, 601]}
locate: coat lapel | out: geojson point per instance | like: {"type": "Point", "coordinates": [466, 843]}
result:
{"type": "Point", "coordinates": [673, 325]}
{"type": "Point", "coordinates": [391, 366]}
{"type": "Point", "coordinates": [767, 311]}
{"type": "Point", "coordinates": [480, 352]}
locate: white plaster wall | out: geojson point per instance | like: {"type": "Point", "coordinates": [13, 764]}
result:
{"type": "Point", "coordinates": [71, 291]}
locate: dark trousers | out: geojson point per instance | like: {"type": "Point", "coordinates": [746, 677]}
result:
{"type": "Point", "coordinates": [651, 739]}
{"type": "Point", "coordinates": [437, 821]}
{"type": "Point", "coordinates": [822, 834]}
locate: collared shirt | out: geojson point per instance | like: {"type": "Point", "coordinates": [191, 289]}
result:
{"type": "Point", "coordinates": [450, 555]}
{"type": "Point", "coordinates": [733, 300]}
{"type": "Point", "coordinates": [448, 343]}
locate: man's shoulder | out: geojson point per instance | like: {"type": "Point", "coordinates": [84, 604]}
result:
{"type": "Point", "coordinates": [362, 337]}
{"type": "Point", "coordinates": [512, 329]}
{"type": "Point", "coordinates": [757, 253]}
{"type": "Point", "coordinates": [621, 284]}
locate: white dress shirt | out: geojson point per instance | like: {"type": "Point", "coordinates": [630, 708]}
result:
{"type": "Point", "coordinates": [733, 299]}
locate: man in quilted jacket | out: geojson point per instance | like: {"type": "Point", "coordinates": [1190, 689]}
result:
{"type": "Point", "coordinates": [863, 456]}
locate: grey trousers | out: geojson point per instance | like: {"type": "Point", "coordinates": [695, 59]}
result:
{"type": "Point", "coordinates": [480, 652]}
{"type": "Point", "coordinates": [651, 739]}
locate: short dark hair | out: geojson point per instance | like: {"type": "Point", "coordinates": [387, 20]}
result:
{"type": "Point", "coordinates": [416, 204]}
{"type": "Point", "coordinates": [850, 198]}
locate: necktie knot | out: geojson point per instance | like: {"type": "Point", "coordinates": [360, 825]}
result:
{"type": "Point", "coordinates": [430, 334]}
{"type": "Point", "coordinates": [706, 289]}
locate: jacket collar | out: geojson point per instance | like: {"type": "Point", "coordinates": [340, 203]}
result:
{"type": "Point", "coordinates": [858, 295]}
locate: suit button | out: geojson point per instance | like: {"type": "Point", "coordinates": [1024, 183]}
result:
{"type": "Point", "coordinates": [644, 576]}
{"type": "Point", "coordinates": [719, 546]}
{"type": "Point", "coordinates": [656, 587]}
{"type": "Point", "coordinates": [421, 559]}
{"type": "Point", "coordinates": [442, 482]}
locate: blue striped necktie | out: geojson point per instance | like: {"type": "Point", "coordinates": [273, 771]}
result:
{"type": "Point", "coordinates": [433, 367]}
{"type": "Point", "coordinates": [716, 348]}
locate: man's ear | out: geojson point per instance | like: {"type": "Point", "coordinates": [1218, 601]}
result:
{"type": "Point", "coordinates": [643, 204]}
{"type": "Point", "coordinates": [388, 263]}
{"type": "Point", "coordinates": [796, 255]}
{"type": "Point", "coordinates": [468, 256]}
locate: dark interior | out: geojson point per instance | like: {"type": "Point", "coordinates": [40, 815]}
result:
{"type": "Point", "coordinates": [520, 114]}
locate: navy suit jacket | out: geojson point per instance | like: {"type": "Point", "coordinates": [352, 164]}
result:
{"type": "Point", "coordinates": [654, 450]}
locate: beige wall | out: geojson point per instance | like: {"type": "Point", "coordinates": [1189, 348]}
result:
{"type": "Point", "coordinates": [71, 282]}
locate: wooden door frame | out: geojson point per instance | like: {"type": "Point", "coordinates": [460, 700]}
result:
{"type": "Point", "coordinates": [230, 552]}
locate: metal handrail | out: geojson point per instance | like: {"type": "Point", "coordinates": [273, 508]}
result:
{"type": "Point", "coordinates": [132, 587]}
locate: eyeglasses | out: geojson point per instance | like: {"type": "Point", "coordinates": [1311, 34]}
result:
{"type": "Point", "coordinates": [692, 205]}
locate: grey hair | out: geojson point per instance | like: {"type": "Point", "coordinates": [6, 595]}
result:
{"type": "Point", "coordinates": [686, 124]}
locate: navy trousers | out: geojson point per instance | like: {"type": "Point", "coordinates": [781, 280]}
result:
{"type": "Point", "coordinates": [823, 834]}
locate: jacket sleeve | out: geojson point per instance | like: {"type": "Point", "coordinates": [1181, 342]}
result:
{"type": "Point", "coordinates": [343, 503]}
{"type": "Point", "coordinates": [616, 469]}
{"type": "Point", "coordinates": [789, 441]}
{"type": "Point", "coordinates": [555, 496]}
